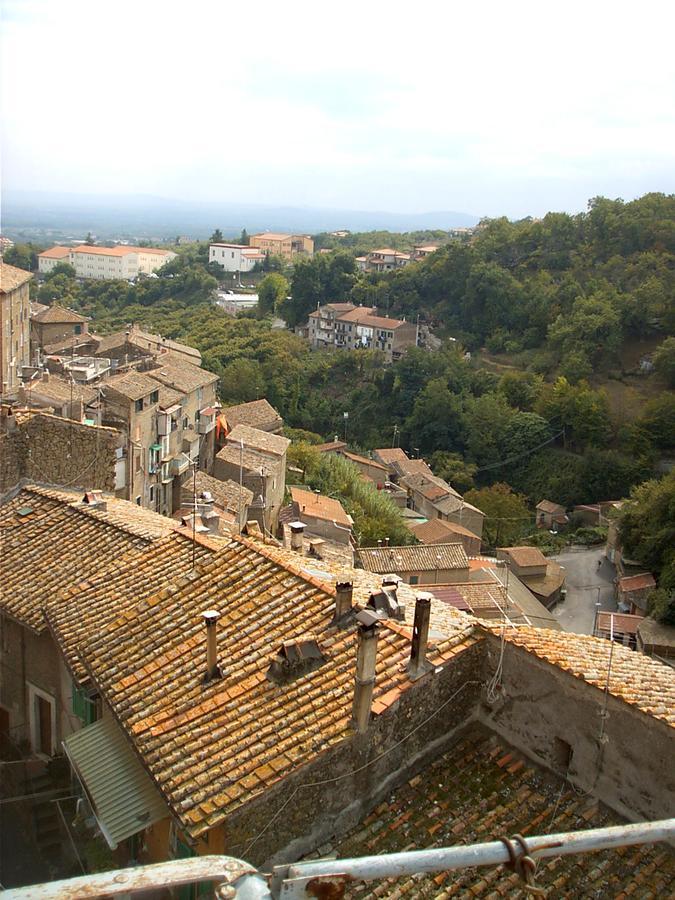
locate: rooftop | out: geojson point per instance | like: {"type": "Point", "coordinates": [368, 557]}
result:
{"type": "Point", "coordinates": [320, 507]}
{"type": "Point", "coordinates": [12, 278]}
{"type": "Point", "coordinates": [550, 507]}
{"type": "Point", "coordinates": [51, 539]}
{"type": "Point", "coordinates": [257, 414]}
{"type": "Point", "coordinates": [118, 251]}
{"type": "Point", "coordinates": [439, 531]}
{"type": "Point", "coordinates": [252, 460]}
{"type": "Point", "coordinates": [117, 584]}
{"type": "Point", "coordinates": [59, 391]}
{"type": "Point", "coordinates": [132, 385]}
{"type": "Point", "coordinates": [57, 315]}
{"type": "Point", "coordinates": [363, 461]}
{"type": "Point", "coordinates": [642, 582]}
{"type": "Point", "coordinates": [525, 556]}
{"type": "Point", "coordinates": [480, 789]}
{"type": "Point", "coordinates": [255, 439]}
{"type": "Point", "coordinates": [413, 558]}
{"type": "Point", "coordinates": [180, 374]}
{"type": "Point", "coordinates": [226, 494]}
{"type": "Point", "coordinates": [364, 315]}
{"type": "Point", "coordinates": [391, 454]}
{"type": "Point", "coordinates": [211, 748]}
{"type": "Point", "coordinates": [55, 253]}
{"type": "Point", "coordinates": [633, 678]}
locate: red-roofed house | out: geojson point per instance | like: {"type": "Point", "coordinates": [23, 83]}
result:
{"type": "Point", "coordinates": [632, 592]}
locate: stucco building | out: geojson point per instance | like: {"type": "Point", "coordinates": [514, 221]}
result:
{"type": "Point", "coordinates": [14, 326]}
{"type": "Point", "coordinates": [107, 262]}
{"type": "Point", "coordinates": [286, 245]}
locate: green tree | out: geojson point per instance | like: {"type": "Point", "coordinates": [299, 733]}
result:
{"type": "Point", "coordinates": [272, 291]}
{"type": "Point", "coordinates": [507, 517]}
{"type": "Point", "coordinates": [89, 240]}
{"type": "Point", "coordinates": [23, 256]}
{"type": "Point", "coordinates": [243, 237]}
{"type": "Point", "coordinates": [216, 237]}
{"type": "Point", "coordinates": [451, 467]}
{"type": "Point", "coordinates": [241, 381]}
{"type": "Point", "coordinates": [581, 411]}
{"type": "Point", "coordinates": [664, 361]}
{"type": "Point", "coordinates": [646, 524]}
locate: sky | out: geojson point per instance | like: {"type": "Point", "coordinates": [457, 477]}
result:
{"type": "Point", "coordinates": [487, 108]}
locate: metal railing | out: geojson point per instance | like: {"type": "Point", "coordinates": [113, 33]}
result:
{"type": "Point", "coordinates": [238, 880]}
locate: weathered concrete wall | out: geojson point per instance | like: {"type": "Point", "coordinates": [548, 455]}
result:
{"type": "Point", "coordinates": [52, 450]}
{"type": "Point", "coordinates": [359, 775]}
{"type": "Point", "coordinates": [555, 719]}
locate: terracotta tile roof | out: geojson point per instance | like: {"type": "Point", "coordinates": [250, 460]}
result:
{"type": "Point", "coordinates": [12, 278]}
{"type": "Point", "coordinates": [161, 344]}
{"type": "Point", "coordinates": [251, 460]}
{"type": "Point", "coordinates": [181, 375]}
{"type": "Point", "coordinates": [108, 592]}
{"type": "Point", "coordinates": [634, 678]}
{"type": "Point", "coordinates": [211, 748]}
{"type": "Point", "coordinates": [637, 582]}
{"type": "Point", "coordinates": [56, 314]}
{"type": "Point", "coordinates": [255, 439]}
{"type": "Point", "coordinates": [50, 540]}
{"type": "Point", "coordinates": [364, 461]}
{"type": "Point", "coordinates": [388, 455]}
{"type": "Point", "coordinates": [413, 558]}
{"type": "Point", "coordinates": [132, 385]}
{"type": "Point", "coordinates": [363, 315]}
{"type": "Point", "coordinates": [226, 494]}
{"type": "Point", "coordinates": [550, 507]}
{"type": "Point", "coordinates": [55, 253]}
{"type": "Point", "coordinates": [439, 531]}
{"type": "Point", "coordinates": [59, 391]}
{"type": "Point", "coordinates": [330, 447]}
{"type": "Point", "coordinates": [67, 343]}
{"type": "Point", "coordinates": [479, 790]}
{"type": "Point", "coordinates": [320, 507]}
{"type": "Point", "coordinates": [412, 467]}
{"type": "Point", "coordinates": [118, 251]}
{"type": "Point", "coordinates": [258, 414]}
{"type": "Point", "coordinates": [525, 556]}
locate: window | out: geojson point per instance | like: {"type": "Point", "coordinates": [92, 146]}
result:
{"type": "Point", "coordinates": [414, 579]}
{"type": "Point", "coordinates": [77, 329]}
{"type": "Point", "coordinates": [154, 397]}
{"type": "Point", "coordinates": [139, 405]}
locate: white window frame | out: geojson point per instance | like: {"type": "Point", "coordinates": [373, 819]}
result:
{"type": "Point", "coordinates": [33, 693]}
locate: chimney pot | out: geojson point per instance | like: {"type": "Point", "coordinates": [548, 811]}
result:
{"type": "Point", "coordinates": [297, 530]}
{"type": "Point", "coordinates": [210, 617]}
{"type": "Point", "coordinates": [366, 657]}
{"type": "Point", "coordinates": [418, 664]}
{"type": "Point", "coordinates": [344, 593]}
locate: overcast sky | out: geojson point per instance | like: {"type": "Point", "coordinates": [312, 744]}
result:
{"type": "Point", "coordinates": [488, 108]}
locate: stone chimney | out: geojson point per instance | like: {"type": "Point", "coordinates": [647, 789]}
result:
{"type": "Point", "coordinates": [366, 657]}
{"type": "Point", "coordinates": [210, 618]}
{"type": "Point", "coordinates": [297, 531]}
{"type": "Point", "coordinates": [390, 585]}
{"type": "Point", "coordinates": [205, 509]}
{"type": "Point", "coordinates": [418, 664]}
{"type": "Point", "coordinates": [344, 592]}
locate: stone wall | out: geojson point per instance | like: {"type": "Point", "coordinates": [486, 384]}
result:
{"type": "Point", "coordinates": [359, 771]}
{"type": "Point", "coordinates": [555, 719]}
{"type": "Point", "coordinates": [51, 450]}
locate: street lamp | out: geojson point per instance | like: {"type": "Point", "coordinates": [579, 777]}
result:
{"type": "Point", "coordinates": [345, 416]}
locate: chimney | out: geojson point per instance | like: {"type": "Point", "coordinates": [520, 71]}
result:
{"type": "Point", "coordinates": [45, 375]}
{"type": "Point", "coordinates": [210, 618]}
{"type": "Point", "coordinates": [366, 657]}
{"type": "Point", "coordinates": [297, 529]}
{"type": "Point", "coordinates": [418, 664]}
{"type": "Point", "coordinates": [390, 585]}
{"type": "Point", "coordinates": [344, 592]}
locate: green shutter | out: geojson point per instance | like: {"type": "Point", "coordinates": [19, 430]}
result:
{"type": "Point", "coordinates": [83, 707]}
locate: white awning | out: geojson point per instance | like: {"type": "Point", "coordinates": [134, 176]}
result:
{"type": "Point", "coordinates": [123, 798]}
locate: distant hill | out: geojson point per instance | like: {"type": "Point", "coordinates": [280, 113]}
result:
{"type": "Point", "coordinates": [155, 217]}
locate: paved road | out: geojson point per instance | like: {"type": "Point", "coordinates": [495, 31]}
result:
{"type": "Point", "coordinates": [587, 582]}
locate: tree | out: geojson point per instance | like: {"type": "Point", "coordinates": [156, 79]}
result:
{"type": "Point", "coordinates": [581, 411]}
{"type": "Point", "coordinates": [646, 524]}
{"type": "Point", "coordinates": [89, 240]}
{"type": "Point", "coordinates": [664, 361]}
{"type": "Point", "coordinates": [272, 291]}
{"type": "Point", "coordinates": [242, 381]}
{"type": "Point", "coordinates": [216, 237]}
{"type": "Point", "coordinates": [507, 517]}
{"type": "Point", "coordinates": [436, 421]}
{"type": "Point", "coordinates": [243, 238]}
{"type": "Point", "coordinates": [23, 256]}
{"type": "Point", "coordinates": [452, 468]}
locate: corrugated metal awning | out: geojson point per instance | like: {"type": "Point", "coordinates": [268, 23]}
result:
{"type": "Point", "coordinates": [123, 798]}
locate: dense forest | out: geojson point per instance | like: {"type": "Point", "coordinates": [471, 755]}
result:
{"type": "Point", "coordinates": [552, 313]}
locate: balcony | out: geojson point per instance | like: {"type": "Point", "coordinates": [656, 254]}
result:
{"type": "Point", "coordinates": [207, 420]}
{"type": "Point", "coordinates": [180, 464]}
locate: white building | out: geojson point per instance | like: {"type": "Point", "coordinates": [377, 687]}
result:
{"type": "Point", "coordinates": [52, 257]}
{"type": "Point", "coordinates": [106, 262]}
{"type": "Point", "coordinates": [235, 257]}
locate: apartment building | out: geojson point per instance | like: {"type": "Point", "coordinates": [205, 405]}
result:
{"type": "Point", "coordinates": [14, 326]}
{"type": "Point", "coordinates": [385, 260]}
{"type": "Point", "coordinates": [107, 262]}
{"type": "Point", "coordinates": [286, 245]}
{"type": "Point", "coordinates": [235, 257]}
{"type": "Point", "coordinates": [49, 259]}
{"type": "Point", "coordinates": [352, 327]}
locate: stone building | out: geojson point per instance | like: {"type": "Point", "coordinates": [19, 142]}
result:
{"type": "Point", "coordinates": [14, 326]}
{"type": "Point", "coordinates": [54, 324]}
